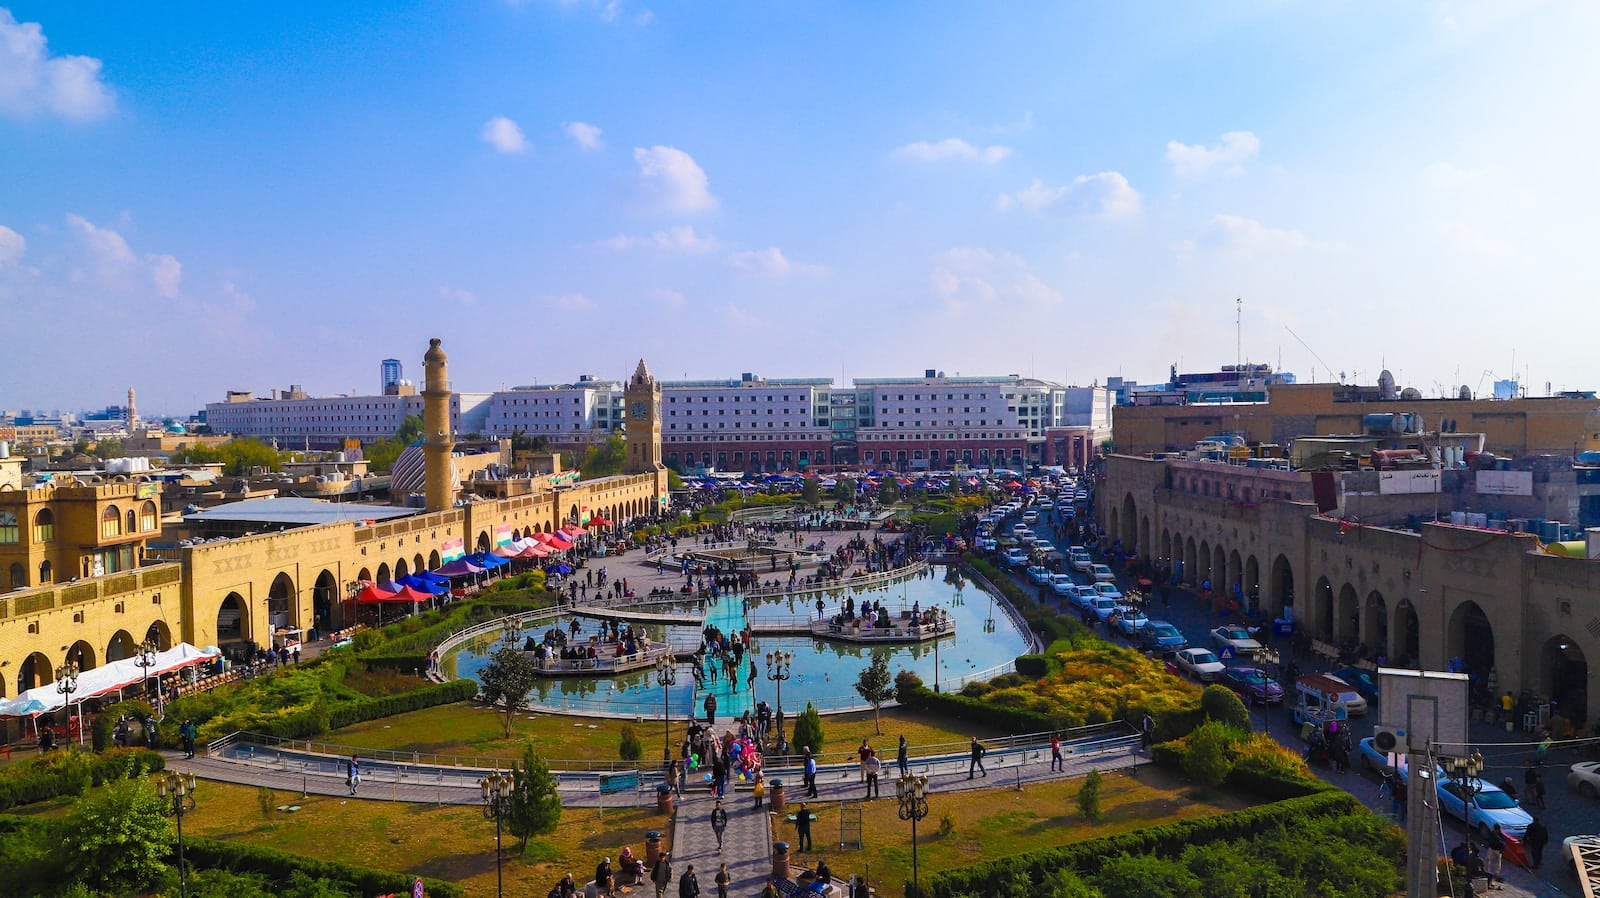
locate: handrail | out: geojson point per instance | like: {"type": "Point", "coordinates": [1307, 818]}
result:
{"type": "Point", "coordinates": [869, 580]}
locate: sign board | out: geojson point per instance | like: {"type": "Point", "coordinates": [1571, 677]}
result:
{"type": "Point", "coordinates": [1505, 483]}
{"type": "Point", "coordinates": [1408, 482]}
{"type": "Point", "coordinates": [147, 490]}
{"type": "Point", "coordinates": [1226, 653]}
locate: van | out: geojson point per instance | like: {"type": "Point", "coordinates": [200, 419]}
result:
{"type": "Point", "coordinates": [1322, 697]}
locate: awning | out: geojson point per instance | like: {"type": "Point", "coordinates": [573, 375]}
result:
{"type": "Point", "coordinates": [485, 560]}
{"type": "Point", "coordinates": [106, 678]}
{"type": "Point", "coordinates": [374, 594]}
{"type": "Point", "coordinates": [459, 568]}
{"type": "Point", "coordinates": [430, 587]}
{"type": "Point", "coordinates": [598, 521]}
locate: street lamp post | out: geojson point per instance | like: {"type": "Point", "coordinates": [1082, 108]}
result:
{"type": "Point", "coordinates": [512, 629]}
{"type": "Point", "coordinates": [1269, 660]}
{"type": "Point", "coordinates": [146, 660]}
{"type": "Point", "coordinates": [181, 787]}
{"type": "Point", "coordinates": [496, 804]}
{"type": "Point", "coordinates": [778, 671]}
{"type": "Point", "coordinates": [1466, 771]}
{"type": "Point", "coordinates": [667, 677]}
{"type": "Point", "coordinates": [66, 684]}
{"type": "Point", "coordinates": [911, 793]}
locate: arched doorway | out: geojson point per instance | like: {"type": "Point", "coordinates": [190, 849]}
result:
{"type": "Point", "coordinates": [1564, 676]}
{"type": "Point", "coordinates": [483, 540]}
{"type": "Point", "coordinates": [160, 634]}
{"type": "Point", "coordinates": [46, 573]}
{"type": "Point", "coordinates": [365, 576]}
{"type": "Point", "coordinates": [283, 602]}
{"type": "Point", "coordinates": [121, 646]}
{"type": "Point", "coordinates": [1144, 538]}
{"type": "Point", "coordinates": [1347, 616]}
{"type": "Point", "coordinates": [1202, 571]}
{"type": "Point", "coordinates": [82, 654]}
{"type": "Point", "coordinates": [1130, 522]}
{"type": "Point", "coordinates": [1252, 582]}
{"type": "Point", "coordinates": [1469, 641]}
{"type": "Point", "coordinates": [1236, 584]}
{"type": "Point", "coordinates": [1191, 562]}
{"type": "Point", "coordinates": [1322, 604]}
{"type": "Point", "coordinates": [1113, 524]}
{"type": "Point", "coordinates": [1375, 625]}
{"type": "Point", "coordinates": [417, 564]}
{"type": "Point", "coordinates": [401, 570]}
{"type": "Point", "coordinates": [325, 601]}
{"type": "Point", "coordinates": [19, 576]}
{"type": "Point", "coordinates": [233, 619]}
{"type": "Point", "coordinates": [1280, 587]}
{"type": "Point", "coordinates": [36, 671]}
{"type": "Point", "coordinates": [1406, 634]}
{"type": "Point", "coordinates": [383, 573]}
{"type": "Point", "coordinates": [1164, 557]}
{"type": "Point", "coordinates": [433, 560]}
{"type": "Point", "coordinates": [1219, 569]}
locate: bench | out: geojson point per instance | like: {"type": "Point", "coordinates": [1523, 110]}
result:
{"type": "Point", "coordinates": [612, 783]}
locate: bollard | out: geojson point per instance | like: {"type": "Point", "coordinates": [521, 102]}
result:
{"type": "Point", "coordinates": [652, 848]}
{"type": "Point", "coordinates": [664, 799]}
{"type": "Point", "coordinates": [780, 861]}
{"type": "Point", "coordinates": [775, 792]}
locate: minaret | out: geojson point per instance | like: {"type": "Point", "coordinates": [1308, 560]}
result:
{"type": "Point", "coordinates": [133, 413]}
{"type": "Point", "coordinates": [436, 428]}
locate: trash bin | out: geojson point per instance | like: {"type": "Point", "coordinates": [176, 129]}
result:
{"type": "Point", "coordinates": [775, 792]}
{"type": "Point", "coordinates": [652, 848]}
{"type": "Point", "coordinates": [780, 861]}
{"type": "Point", "coordinates": [664, 798]}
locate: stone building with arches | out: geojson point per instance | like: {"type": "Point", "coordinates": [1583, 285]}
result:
{"type": "Point", "coordinates": [1416, 593]}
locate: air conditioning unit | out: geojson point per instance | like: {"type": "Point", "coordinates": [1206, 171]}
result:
{"type": "Point", "coordinates": [1390, 739]}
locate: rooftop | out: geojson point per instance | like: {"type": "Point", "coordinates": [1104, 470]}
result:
{"type": "Point", "coordinates": [295, 511]}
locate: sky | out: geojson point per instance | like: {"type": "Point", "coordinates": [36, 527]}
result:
{"type": "Point", "coordinates": [196, 198]}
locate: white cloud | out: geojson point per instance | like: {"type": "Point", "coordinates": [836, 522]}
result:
{"type": "Point", "coordinates": [965, 277]}
{"type": "Point", "coordinates": [771, 262]}
{"type": "Point", "coordinates": [1477, 242]}
{"type": "Point", "coordinates": [950, 148]}
{"type": "Point", "coordinates": [238, 300]}
{"type": "Point", "coordinates": [1104, 195]}
{"type": "Point", "coordinates": [33, 82]}
{"type": "Point", "coordinates": [570, 302]}
{"type": "Point", "coordinates": [1240, 236]}
{"type": "Point", "coordinates": [457, 295]}
{"type": "Point", "coordinates": [674, 179]}
{"type": "Point", "coordinates": [12, 246]}
{"type": "Point", "coordinates": [1448, 176]}
{"type": "Point", "coordinates": [669, 298]}
{"type": "Point", "coordinates": [585, 135]}
{"type": "Point", "coordinates": [117, 263]}
{"type": "Point", "coordinates": [740, 318]}
{"type": "Point", "coordinates": [504, 135]}
{"type": "Point", "coordinates": [680, 239]}
{"type": "Point", "coordinates": [1229, 155]}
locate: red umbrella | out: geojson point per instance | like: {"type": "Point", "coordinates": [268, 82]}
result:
{"type": "Point", "coordinates": [598, 521]}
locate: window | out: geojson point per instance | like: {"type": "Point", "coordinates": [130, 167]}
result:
{"type": "Point", "coordinates": [9, 531]}
{"type": "Point", "coordinates": [44, 526]}
{"type": "Point", "coordinates": [147, 516]}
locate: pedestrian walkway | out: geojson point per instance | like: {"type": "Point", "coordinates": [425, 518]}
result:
{"type": "Point", "coordinates": [733, 693]}
{"type": "Point", "coordinates": [746, 843]}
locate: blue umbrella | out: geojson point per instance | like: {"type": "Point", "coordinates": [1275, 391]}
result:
{"type": "Point", "coordinates": [560, 568]}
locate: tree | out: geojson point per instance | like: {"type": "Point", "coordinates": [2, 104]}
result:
{"type": "Point", "coordinates": [117, 839]}
{"type": "Point", "coordinates": [1146, 876]}
{"type": "Point", "coordinates": [605, 460]}
{"type": "Point", "coordinates": [535, 807]}
{"type": "Point", "coordinates": [1208, 760]}
{"type": "Point", "coordinates": [811, 491]}
{"type": "Point", "coordinates": [844, 489]}
{"type": "Point", "coordinates": [508, 677]}
{"type": "Point", "coordinates": [412, 428]}
{"type": "Point", "coordinates": [808, 730]}
{"type": "Point", "coordinates": [1089, 796]}
{"type": "Point", "coordinates": [875, 686]}
{"type": "Point", "coordinates": [888, 491]}
{"type": "Point", "coordinates": [630, 748]}
{"type": "Point", "coordinates": [1219, 703]}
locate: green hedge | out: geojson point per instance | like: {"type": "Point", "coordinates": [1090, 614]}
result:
{"type": "Point", "coordinates": [319, 719]}
{"type": "Point", "coordinates": [280, 866]}
{"type": "Point", "coordinates": [1246, 779]}
{"type": "Point", "coordinates": [960, 707]}
{"type": "Point", "coordinates": [1034, 666]}
{"type": "Point", "coordinates": [60, 773]}
{"type": "Point", "coordinates": [405, 663]}
{"type": "Point", "coordinates": [1168, 840]}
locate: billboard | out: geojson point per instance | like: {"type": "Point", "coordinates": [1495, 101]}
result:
{"type": "Point", "coordinates": [1505, 483]}
{"type": "Point", "coordinates": [1404, 482]}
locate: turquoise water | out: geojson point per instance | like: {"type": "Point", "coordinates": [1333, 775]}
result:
{"type": "Point", "coordinates": [823, 672]}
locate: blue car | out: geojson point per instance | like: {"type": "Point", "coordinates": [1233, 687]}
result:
{"type": "Point", "coordinates": [1158, 634]}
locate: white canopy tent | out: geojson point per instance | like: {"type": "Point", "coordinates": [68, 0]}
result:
{"type": "Point", "coordinates": [111, 677]}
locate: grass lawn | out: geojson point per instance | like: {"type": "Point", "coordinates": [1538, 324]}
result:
{"type": "Point", "coordinates": [466, 729]}
{"type": "Point", "coordinates": [994, 823]}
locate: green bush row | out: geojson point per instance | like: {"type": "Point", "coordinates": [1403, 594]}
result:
{"type": "Point", "coordinates": [960, 707]}
{"type": "Point", "coordinates": [1165, 840]}
{"type": "Point", "coordinates": [281, 865]}
{"type": "Point", "coordinates": [60, 773]}
{"type": "Point", "coordinates": [320, 718]}
{"type": "Point", "coordinates": [1267, 785]}
{"type": "Point", "coordinates": [1033, 666]}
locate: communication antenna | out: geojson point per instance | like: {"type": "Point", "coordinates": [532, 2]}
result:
{"type": "Point", "coordinates": [1310, 350]}
{"type": "Point", "coordinates": [1238, 332]}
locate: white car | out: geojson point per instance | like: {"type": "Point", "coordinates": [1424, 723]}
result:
{"type": "Point", "coordinates": [1030, 517]}
{"type": "Point", "coordinates": [1015, 558]}
{"type": "Point", "coordinates": [1585, 778]}
{"type": "Point", "coordinates": [1488, 806]}
{"type": "Point", "coordinates": [1103, 608]}
{"type": "Point", "coordinates": [1108, 591]}
{"type": "Point", "coordinates": [1061, 584]}
{"type": "Point", "coordinates": [1102, 572]}
{"type": "Point", "coordinates": [1081, 562]}
{"type": "Point", "coordinates": [1199, 664]}
{"type": "Point", "coordinates": [1083, 595]}
{"type": "Point", "coordinates": [1238, 638]}
{"type": "Point", "coordinates": [1039, 574]}
{"type": "Point", "coordinates": [987, 543]}
{"type": "Point", "coordinates": [1133, 620]}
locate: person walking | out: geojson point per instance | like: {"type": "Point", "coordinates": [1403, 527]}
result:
{"type": "Point", "coordinates": [759, 790]}
{"type": "Point", "coordinates": [873, 767]}
{"type": "Point", "coordinates": [674, 778]}
{"type": "Point", "coordinates": [689, 884]}
{"type": "Point", "coordinates": [1057, 762]}
{"type": "Point", "coordinates": [802, 828]}
{"type": "Point", "coordinates": [352, 774]}
{"type": "Point", "coordinates": [719, 823]}
{"type": "Point", "coordinates": [976, 758]}
{"type": "Point", "coordinates": [661, 875]}
{"type": "Point", "coordinates": [810, 774]}
{"type": "Point", "coordinates": [1496, 844]}
{"type": "Point", "coordinates": [711, 701]}
{"type": "Point", "coordinates": [1534, 840]}
{"type": "Point", "coordinates": [188, 732]}
{"type": "Point", "coordinates": [723, 880]}
{"type": "Point", "coordinates": [1147, 731]}
{"type": "Point", "coordinates": [902, 756]}
{"type": "Point", "coordinates": [862, 754]}
{"type": "Point", "coordinates": [1536, 794]}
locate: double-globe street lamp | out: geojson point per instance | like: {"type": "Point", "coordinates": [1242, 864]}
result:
{"type": "Point", "coordinates": [778, 664]}
{"type": "Point", "coordinates": [181, 788]}
{"type": "Point", "coordinates": [1269, 659]}
{"type": "Point", "coordinates": [66, 684]}
{"type": "Point", "coordinates": [911, 793]}
{"type": "Point", "coordinates": [667, 677]}
{"type": "Point", "coordinates": [1466, 772]}
{"type": "Point", "coordinates": [497, 789]}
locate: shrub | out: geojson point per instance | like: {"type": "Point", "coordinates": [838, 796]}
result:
{"type": "Point", "coordinates": [630, 749]}
{"type": "Point", "coordinates": [1222, 705]}
{"type": "Point", "coordinates": [1208, 761]}
{"type": "Point", "coordinates": [61, 773]}
{"type": "Point", "coordinates": [808, 730]}
{"type": "Point", "coordinates": [1034, 666]}
{"type": "Point", "coordinates": [282, 866]}
{"type": "Point", "coordinates": [1089, 796]}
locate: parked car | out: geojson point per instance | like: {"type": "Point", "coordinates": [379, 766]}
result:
{"type": "Point", "coordinates": [1061, 584]}
{"type": "Point", "coordinates": [1481, 805]}
{"type": "Point", "coordinates": [1083, 595]}
{"type": "Point", "coordinates": [1039, 574]}
{"type": "Point", "coordinates": [1379, 762]}
{"type": "Point", "coordinates": [1162, 635]}
{"type": "Point", "coordinates": [1108, 590]}
{"type": "Point", "coordinates": [1236, 637]}
{"type": "Point", "coordinates": [1584, 777]}
{"type": "Point", "coordinates": [1132, 621]}
{"type": "Point", "coordinates": [1253, 685]}
{"type": "Point", "coordinates": [1015, 558]}
{"type": "Point", "coordinates": [1363, 681]}
{"type": "Point", "coordinates": [1103, 608]}
{"type": "Point", "coordinates": [1199, 664]}
{"type": "Point", "coordinates": [1102, 572]}
{"type": "Point", "coordinates": [1081, 562]}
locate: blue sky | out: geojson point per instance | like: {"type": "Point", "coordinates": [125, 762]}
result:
{"type": "Point", "coordinates": [196, 198]}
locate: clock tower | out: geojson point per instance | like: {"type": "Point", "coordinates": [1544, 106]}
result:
{"type": "Point", "coordinates": [642, 399]}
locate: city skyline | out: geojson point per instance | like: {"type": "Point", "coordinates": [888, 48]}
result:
{"type": "Point", "coordinates": [197, 201]}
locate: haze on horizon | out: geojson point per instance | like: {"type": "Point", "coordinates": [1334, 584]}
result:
{"type": "Point", "coordinates": [198, 198]}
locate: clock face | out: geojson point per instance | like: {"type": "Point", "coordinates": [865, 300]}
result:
{"type": "Point", "coordinates": [637, 410]}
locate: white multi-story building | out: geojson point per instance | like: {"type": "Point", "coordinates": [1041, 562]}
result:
{"type": "Point", "coordinates": [567, 415]}
{"type": "Point", "coordinates": [327, 421]}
